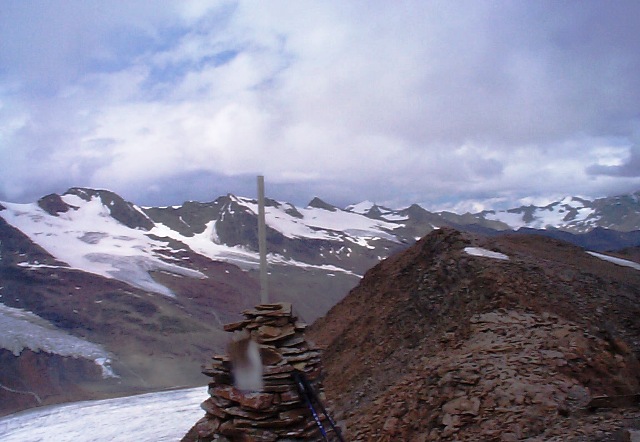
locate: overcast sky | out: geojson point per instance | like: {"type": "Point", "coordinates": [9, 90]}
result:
{"type": "Point", "coordinates": [443, 103]}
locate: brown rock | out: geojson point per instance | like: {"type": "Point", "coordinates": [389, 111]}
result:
{"type": "Point", "coordinates": [391, 426]}
{"type": "Point", "coordinates": [277, 412]}
{"type": "Point", "coordinates": [210, 407]}
{"type": "Point", "coordinates": [236, 326]}
{"type": "Point", "coordinates": [462, 405]}
{"type": "Point", "coordinates": [256, 401]}
{"type": "Point", "coordinates": [289, 396]}
{"type": "Point", "coordinates": [270, 356]}
{"type": "Point", "coordinates": [206, 427]}
{"type": "Point", "coordinates": [295, 415]}
{"type": "Point", "coordinates": [267, 333]}
{"type": "Point", "coordinates": [253, 415]}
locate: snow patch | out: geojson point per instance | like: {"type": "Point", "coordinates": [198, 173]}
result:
{"type": "Point", "coordinates": [362, 207]}
{"type": "Point", "coordinates": [279, 259]}
{"type": "Point", "coordinates": [22, 329]}
{"type": "Point", "coordinates": [202, 244]}
{"type": "Point", "coordinates": [35, 266]}
{"type": "Point", "coordinates": [479, 251]}
{"type": "Point", "coordinates": [618, 261]}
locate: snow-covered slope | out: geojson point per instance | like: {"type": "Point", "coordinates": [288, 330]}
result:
{"type": "Point", "coordinates": [573, 214]}
{"type": "Point", "coordinates": [153, 417]}
{"type": "Point", "coordinates": [86, 275]}
{"type": "Point", "coordinates": [316, 223]}
{"type": "Point", "coordinates": [88, 238]}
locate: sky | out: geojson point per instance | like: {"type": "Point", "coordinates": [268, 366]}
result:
{"type": "Point", "coordinates": [461, 105]}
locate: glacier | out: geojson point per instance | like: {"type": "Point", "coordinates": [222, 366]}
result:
{"type": "Point", "coordinates": [153, 417]}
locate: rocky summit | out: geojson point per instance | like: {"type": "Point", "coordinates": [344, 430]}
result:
{"type": "Point", "coordinates": [463, 337]}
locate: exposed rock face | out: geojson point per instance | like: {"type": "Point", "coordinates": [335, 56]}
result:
{"type": "Point", "coordinates": [53, 204]}
{"type": "Point", "coordinates": [33, 379]}
{"type": "Point", "coordinates": [436, 344]}
{"type": "Point", "coordinates": [277, 413]}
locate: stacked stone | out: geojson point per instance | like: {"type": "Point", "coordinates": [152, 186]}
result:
{"type": "Point", "coordinates": [276, 413]}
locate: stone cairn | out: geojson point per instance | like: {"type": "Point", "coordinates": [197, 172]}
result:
{"type": "Point", "coordinates": [277, 413]}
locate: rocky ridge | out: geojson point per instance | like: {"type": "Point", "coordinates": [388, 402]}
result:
{"type": "Point", "coordinates": [437, 344]}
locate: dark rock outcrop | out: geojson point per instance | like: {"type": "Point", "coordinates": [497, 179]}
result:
{"type": "Point", "coordinates": [33, 379]}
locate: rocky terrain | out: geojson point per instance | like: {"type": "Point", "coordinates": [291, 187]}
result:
{"type": "Point", "coordinates": [464, 337]}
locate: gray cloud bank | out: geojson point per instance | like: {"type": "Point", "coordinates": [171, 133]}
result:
{"type": "Point", "coordinates": [438, 102]}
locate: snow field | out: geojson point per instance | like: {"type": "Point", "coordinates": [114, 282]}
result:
{"type": "Point", "coordinates": [153, 417]}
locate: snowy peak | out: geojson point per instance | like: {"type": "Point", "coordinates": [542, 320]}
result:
{"type": "Point", "coordinates": [124, 212]}
{"type": "Point", "coordinates": [619, 212]}
{"type": "Point", "coordinates": [374, 211]}
{"type": "Point", "coordinates": [112, 205]}
{"type": "Point", "coordinates": [189, 219]}
{"type": "Point", "coordinates": [361, 208]}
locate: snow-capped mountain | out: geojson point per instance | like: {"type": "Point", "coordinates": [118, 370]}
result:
{"type": "Point", "coordinates": [573, 214]}
{"type": "Point", "coordinates": [96, 231]}
{"type": "Point", "coordinates": [142, 292]}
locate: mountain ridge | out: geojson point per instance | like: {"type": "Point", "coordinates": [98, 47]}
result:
{"type": "Point", "coordinates": [466, 337]}
{"type": "Point", "coordinates": [153, 285]}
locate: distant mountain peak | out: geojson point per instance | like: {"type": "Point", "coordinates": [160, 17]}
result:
{"type": "Point", "coordinates": [86, 193]}
{"type": "Point", "coordinates": [319, 204]}
{"type": "Point", "coordinates": [362, 207]}
{"type": "Point", "coordinates": [122, 211]}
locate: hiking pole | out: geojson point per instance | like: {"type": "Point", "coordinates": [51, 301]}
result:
{"type": "Point", "coordinates": [303, 382]}
{"type": "Point", "coordinates": [302, 389]}
{"type": "Point", "coordinates": [316, 399]}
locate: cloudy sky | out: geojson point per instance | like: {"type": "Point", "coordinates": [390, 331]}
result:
{"type": "Point", "coordinates": [458, 104]}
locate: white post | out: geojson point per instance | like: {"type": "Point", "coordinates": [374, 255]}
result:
{"type": "Point", "coordinates": [262, 243]}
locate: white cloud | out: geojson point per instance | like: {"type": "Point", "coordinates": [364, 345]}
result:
{"type": "Point", "coordinates": [383, 101]}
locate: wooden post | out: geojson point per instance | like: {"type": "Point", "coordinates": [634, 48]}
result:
{"type": "Point", "coordinates": [262, 243]}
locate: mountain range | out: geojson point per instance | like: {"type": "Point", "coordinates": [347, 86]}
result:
{"type": "Point", "coordinates": [102, 297]}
